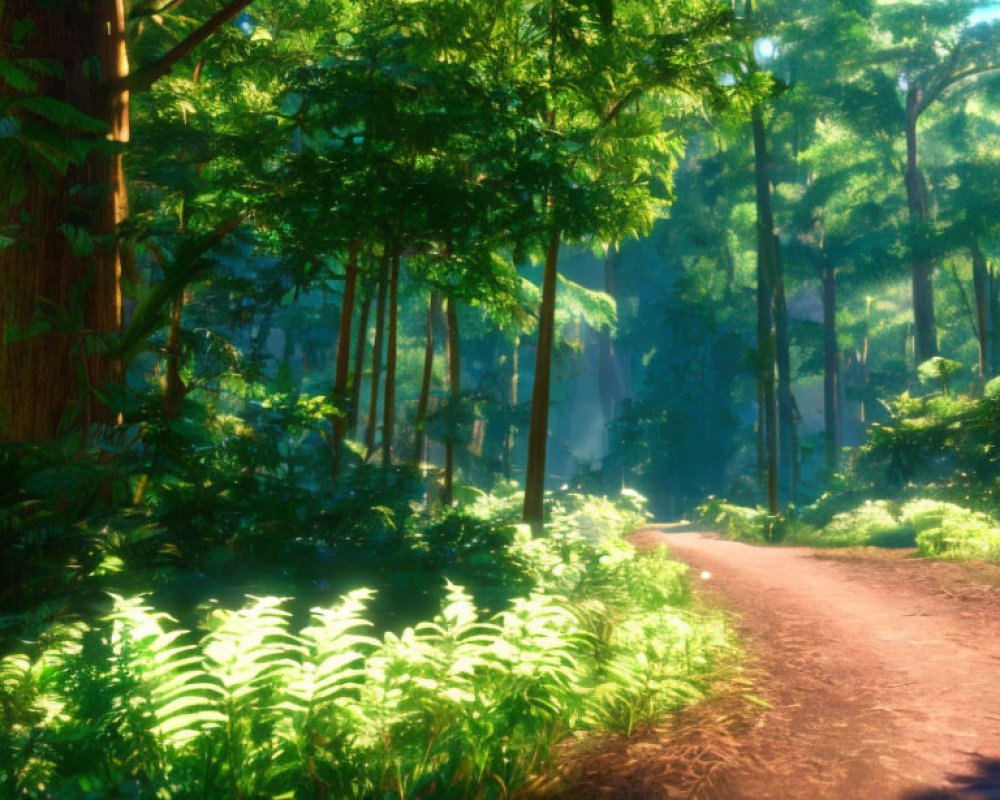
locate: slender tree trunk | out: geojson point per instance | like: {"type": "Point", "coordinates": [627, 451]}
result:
{"type": "Point", "coordinates": [510, 439]}
{"type": "Point", "coordinates": [339, 395]}
{"type": "Point", "coordinates": [787, 438]}
{"type": "Point", "coordinates": [609, 372]}
{"type": "Point", "coordinates": [534, 482]}
{"type": "Point", "coordinates": [831, 369]}
{"type": "Point", "coordinates": [359, 360]}
{"type": "Point", "coordinates": [766, 287]}
{"type": "Point", "coordinates": [761, 431]}
{"type": "Point", "coordinates": [389, 409]}
{"type": "Point", "coordinates": [55, 380]}
{"type": "Point", "coordinates": [925, 327]}
{"type": "Point", "coordinates": [454, 397]}
{"type": "Point", "coordinates": [980, 284]}
{"type": "Point", "coordinates": [993, 320]}
{"type": "Point", "coordinates": [372, 421]}
{"type": "Point", "coordinates": [420, 437]}
{"type": "Point", "coordinates": [174, 391]}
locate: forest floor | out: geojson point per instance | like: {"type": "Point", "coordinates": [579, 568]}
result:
{"type": "Point", "coordinates": [881, 670]}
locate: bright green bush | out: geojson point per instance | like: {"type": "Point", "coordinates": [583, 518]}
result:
{"type": "Point", "coordinates": [739, 522]}
{"type": "Point", "coordinates": [872, 523]}
{"type": "Point", "coordinates": [258, 703]}
{"type": "Point", "coordinates": [945, 530]}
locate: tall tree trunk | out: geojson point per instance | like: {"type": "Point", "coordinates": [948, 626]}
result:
{"type": "Point", "coordinates": [980, 284]}
{"type": "Point", "coordinates": [389, 409]}
{"type": "Point", "coordinates": [993, 320]}
{"type": "Point", "coordinates": [766, 286]}
{"type": "Point", "coordinates": [420, 437]}
{"type": "Point", "coordinates": [925, 328]}
{"type": "Point", "coordinates": [55, 380]}
{"type": "Point", "coordinates": [510, 437]}
{"type": "Point", "coordinates": [454, 396]}
{"type": "Point", "coordinates": [372, 421]}
{"type": "Point", "coordinates": [341, 376]}
{"type": "Point", "coordinates": [174, 391]}
{"type": "Point", "coordinates": [787, 438]}
{"type": "Point", "coordinates": [609, 373]}
{"type": "Point", "coordinates": [354, 411]}
{"type": "Point", "coordinates": [831, 369]}
{"type": "Point", "coordinates": [534, 481]}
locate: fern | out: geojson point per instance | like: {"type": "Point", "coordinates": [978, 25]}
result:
{"type": "Point", "coordinates": [458, 706]}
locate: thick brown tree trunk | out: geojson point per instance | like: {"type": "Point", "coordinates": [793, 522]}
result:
{"type": "Point", "coordinates": [766, 285]}
{"type": "Point", "coordinates": [341, 376]}
{"type": "Point", "coordinates": [372, 421]}
{"type": "Point", "coordinates": [454, 396]}
{"type": "Point", "coordinates": [389, 407]}
{"type": "Point", "coordinates": [534, 481]}
{"type": "Point", "coordinates": [831, 369]}
{"type": "Point", "coordinates": [55, 380]}
{"type": "Point", "coordinates": [359, 360]}
{"type": "Point", "coordinates": [420, 438]}
{"type": "Point", "coordinates": [922, 262]}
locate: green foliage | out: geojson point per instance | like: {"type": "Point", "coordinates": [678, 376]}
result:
{"type": "Point", "coordinates": [740, 522]}
{"type": "Point", "coordinates": [260, 705]}
{"type": "Point", "coordinates": [872, 523]}
{"type": "Point", "coordinates": [939, 370]}
{"type": "Point", "coordinates": [945, 530]}
{"type": "Point", "coordinates": [937, 445]}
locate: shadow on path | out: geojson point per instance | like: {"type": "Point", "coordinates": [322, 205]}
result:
{"type": "Point", "coordinates": [983, 784]}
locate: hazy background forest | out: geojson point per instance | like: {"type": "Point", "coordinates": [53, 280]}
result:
{"type": "Point", "coordinates": [306, 297]}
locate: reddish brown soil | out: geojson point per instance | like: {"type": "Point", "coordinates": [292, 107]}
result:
{"type": "Point", "coordinates": [882, 671]}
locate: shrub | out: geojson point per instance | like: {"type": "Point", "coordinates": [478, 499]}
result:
{"type": "Point", "coordinates": [945, 530]}
{"type": "Point", "coordinates": [258, 703]}
{"type": "Point", "coordinates": [739, 522]}
{"type": "Point", "coordinates": [873, 523]}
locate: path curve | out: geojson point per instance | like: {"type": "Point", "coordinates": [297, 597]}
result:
{"type": "Point", "coordinates": [883, 673]}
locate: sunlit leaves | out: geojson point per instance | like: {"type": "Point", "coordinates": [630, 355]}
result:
{"type": "Point", "coordinates": [460, 705]}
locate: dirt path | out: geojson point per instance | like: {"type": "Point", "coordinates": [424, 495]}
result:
{"type": "Point", "coordinates": [883, 671]}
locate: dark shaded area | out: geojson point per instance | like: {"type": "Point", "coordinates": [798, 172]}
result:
{"type": "Point", "coordinates": [982, 784]}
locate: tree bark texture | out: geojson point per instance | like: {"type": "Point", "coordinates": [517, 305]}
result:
{"type": "Point", "coordinates": [534, 482]}
{"type": "Point", "coordinates": [54, 380]}
{"type": "Point", "coordinates": [922, 262]}
{"type": "Point", "coordinates": [454, 396]}
{"type": "Point", "coordinates": [420, 436]}
{"type": "Point", "coordinates": [389, 408]}
{"type": "Point", "coordinates": [372, 421]}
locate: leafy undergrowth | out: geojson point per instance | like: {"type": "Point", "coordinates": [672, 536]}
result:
{"type": "Point", "coordinates": [261, 702]}
{"type": "Point", "coordinates": [928, 478]}
{"type": "Point", "coordinates": [936, 528]}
